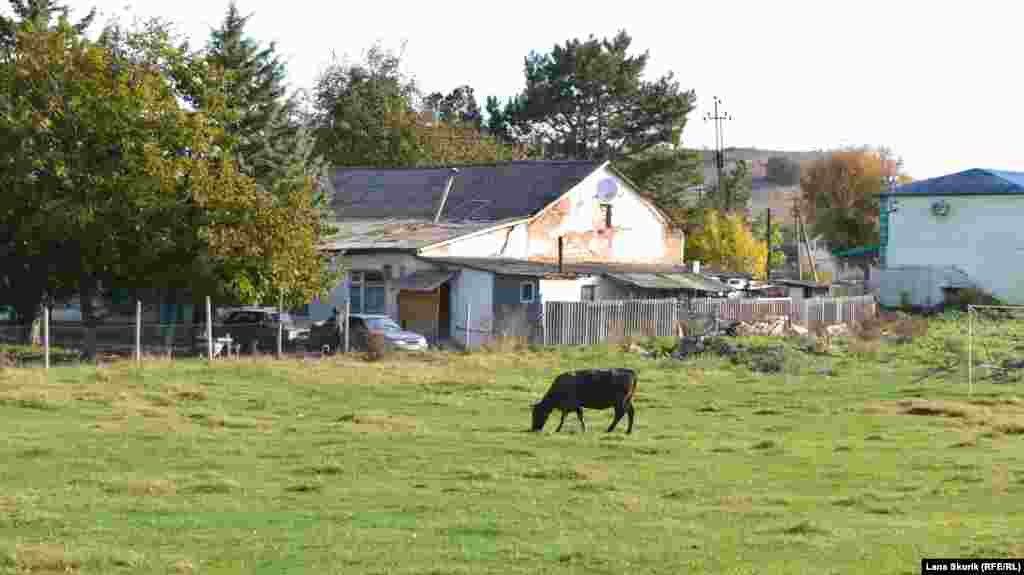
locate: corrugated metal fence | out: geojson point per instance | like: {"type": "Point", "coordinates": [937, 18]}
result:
{"type": "Point", "coordinates": [587, 323]}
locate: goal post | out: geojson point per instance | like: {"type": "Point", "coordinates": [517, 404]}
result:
{"type": "Point", "coordinates": [992, 331]}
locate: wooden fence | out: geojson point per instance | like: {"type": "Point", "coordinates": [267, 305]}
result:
{"type": "Point", "coordinates": [588, 323]}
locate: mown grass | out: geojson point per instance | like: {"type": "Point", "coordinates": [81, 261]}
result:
{"type": "Point", "coordinates": [836, 464]}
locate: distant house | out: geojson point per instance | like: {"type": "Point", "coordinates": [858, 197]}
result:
{"type": "Point", "coordinates": [951, 232]}
{"type": "Point", "coordinates": [429, 246]}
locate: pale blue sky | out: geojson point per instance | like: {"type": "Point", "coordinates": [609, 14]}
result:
{"type": "Point", "coordinates": [939, 82]}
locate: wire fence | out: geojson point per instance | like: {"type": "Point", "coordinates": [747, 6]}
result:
{"type": "Point", "coordinates": [45, 341]}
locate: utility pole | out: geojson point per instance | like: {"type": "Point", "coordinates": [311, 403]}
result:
{"type": "Point", "coordinates": [768, 242]}
{"type": "Point", "coordinates": [718, 118]}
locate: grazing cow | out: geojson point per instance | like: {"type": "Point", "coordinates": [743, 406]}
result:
{"type": "Point", "coordinates": [590, 388]}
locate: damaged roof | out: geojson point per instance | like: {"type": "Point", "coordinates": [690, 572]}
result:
{"type": "Point", "coordinates": [671, 281]}
{"type": "Point", "coordinates": [648, 276]}
{"type": "Point", "coordinates": [395, 234]}
{"type": "Point", "coordinates": [480, 192]}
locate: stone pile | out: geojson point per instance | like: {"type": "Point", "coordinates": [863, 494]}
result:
{"type": "Point", "coordinates": [773, 325]}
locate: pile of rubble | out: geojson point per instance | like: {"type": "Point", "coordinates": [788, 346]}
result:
{"type": "Point", "coordinates": [773, 325]}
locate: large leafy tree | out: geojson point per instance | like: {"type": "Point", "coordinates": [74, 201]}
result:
{"type": "Point", "coordinates": [370, 113]}
{"type": "Point", "coordinates": [840, 197]}
{"type": "Point", "coordinates": [129, 188]}
{"type": "Point", "coordinates": [587, 100]}
{"type": "Point", "coordinates": [363, 113]}
{"type": "Point", "coordinates": [725, 241]}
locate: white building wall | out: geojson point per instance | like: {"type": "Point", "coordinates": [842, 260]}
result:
{"type": "Point", "coordinates": [473, 289]}
{"type": "Point", "coordinates": [566, 290]}
{"type": "Point", "coordinates": [981, 235]}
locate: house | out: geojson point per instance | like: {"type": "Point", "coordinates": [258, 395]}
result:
{"type": "Point", "coordinates": [424, 245]}
{"type": "Point", "coordinates": [951, 232]}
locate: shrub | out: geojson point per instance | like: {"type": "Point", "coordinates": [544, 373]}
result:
{"type": "Point", "coordinates": [961, 298]}
{"type": "Point", "coordinates": [376, 346]}
{"type": "Point", "coordinates": [910, 328]}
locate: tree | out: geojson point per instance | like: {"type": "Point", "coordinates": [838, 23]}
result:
{"type": "Point", "coordinates": [459, 107]}
{"type": "Point", "coordinates": [733, 194]}
{"type": "Point", "coordinates": [257, 115]}
{"type": "Point", "coordinates": [840, 198]}
{"type": "Point", "coordinates": [783, 171]}
{"type": "Point", "coordinates": [39, 15]}
{"type": "Point", "coordinates": [725, 241]}
{"type": "Point", "coordinates": [363, 113]}
{"type": "Point", "coordinates": [668, 177]}
{"type": "Point", "coordinates": [586, 100]}
{"type": "Point", "coordinates": [129, 188]}
{"type": "Point", "coordinates": [759, 228]}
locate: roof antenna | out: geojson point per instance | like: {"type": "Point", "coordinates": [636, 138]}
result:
{"type": "Point", "coordinates": [444, 198]}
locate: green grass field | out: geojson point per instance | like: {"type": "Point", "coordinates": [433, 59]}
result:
{"type": "Point", "coordinates": [838, 464]}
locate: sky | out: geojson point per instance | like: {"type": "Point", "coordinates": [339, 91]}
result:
{"type": "Point", "coordinates": [938, 82]}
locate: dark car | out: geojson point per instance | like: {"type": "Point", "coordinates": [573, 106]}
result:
{"type": "Point", "coordinates": [260, 325]}
{"type": "Point", "coordinates": [326, 333]}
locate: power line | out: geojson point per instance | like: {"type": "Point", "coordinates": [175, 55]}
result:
{"type": "Point", "coordinates": [718, 118]}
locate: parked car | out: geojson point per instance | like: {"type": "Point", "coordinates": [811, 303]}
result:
{"type": "Point", "coordinates": [259, 324]}
{"type": "Point", "coordinates": [361, 325]}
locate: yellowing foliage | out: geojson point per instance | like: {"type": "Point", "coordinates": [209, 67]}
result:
{"type": "Point", "coordinates": [726, 242]}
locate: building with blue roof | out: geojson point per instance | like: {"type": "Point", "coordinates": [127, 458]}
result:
{"type": "Point", "coordinates": [953, 231]}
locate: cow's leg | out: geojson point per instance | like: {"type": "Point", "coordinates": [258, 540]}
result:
{"type": "Point", "coordinates": [619, 412]}
{"type": "Point", "coordinates": [562, 422]}
{"type": "Point", "coordinates": [579, 413]}
{"type": "Point", "coordinates": [629, 413]}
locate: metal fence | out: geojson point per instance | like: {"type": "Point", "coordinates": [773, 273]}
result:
{"type": "Point", "coordinates": [587, 323]}
{"type": "Point", "coordinates": [64, 341]}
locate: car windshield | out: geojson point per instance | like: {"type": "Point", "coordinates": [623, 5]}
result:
{"type": "Point", "coordinates": [382, 324]}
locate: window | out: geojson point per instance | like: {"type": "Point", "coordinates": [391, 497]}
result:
{"type": "Point", "coordinates": [606, 212]}
{"type": "Point", "coordinates": [366, 293]}
{"type": "Point", "coordinates": [526, 292]}
{"type": "Point", "coordinates": [588, 293]}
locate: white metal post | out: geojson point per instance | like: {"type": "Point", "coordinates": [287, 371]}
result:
{"type": "Point", "coordinates": [209, 328]}
{"type": "Point", "coordinates": [280, 325]}
{"type": "Point", "coordinates": [544, 322]}
{"type": "Point", "coordinates": [138, 331]}
{"type": "Point", "coordinates": [970, 350]}
{"type": "Point", "coordinates": [46, 336]}
{"type": "Point", "coordinates": [348, 322]}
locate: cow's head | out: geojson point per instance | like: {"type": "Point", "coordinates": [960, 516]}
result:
{"type": "Point", "coordinates": [540, 416]}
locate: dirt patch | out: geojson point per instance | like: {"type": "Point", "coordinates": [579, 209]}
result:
{"type": "Point", "coordinates": [380, 423]}
{"type": "Point", "coordinates": [144, 487]}
{"type": "Point", "coordinates": [737, 504]}
{"type": "Point", "coordinates": [937, 408]}
{"type": "Point", "coordinates": [46, 558]}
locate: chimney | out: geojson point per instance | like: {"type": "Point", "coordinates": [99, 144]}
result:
{"type": "Point", "coordinates": [444, 198]}
{"type": "Point", "coordinates": [559, 254]}
{"type": "Point", "coordinates": [695, 267]}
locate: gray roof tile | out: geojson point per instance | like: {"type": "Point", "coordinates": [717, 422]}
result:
{"type": "Point", "coordinates": [967, 183]}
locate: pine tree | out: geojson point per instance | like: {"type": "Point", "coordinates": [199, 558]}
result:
{"type": "Point", "coordinates": [39, 14]}
{"type": "Point", "coordinates": [258, 116]}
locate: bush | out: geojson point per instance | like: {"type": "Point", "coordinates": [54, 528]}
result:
{"type": "Point", "coordinates": [376, 346]}
{"type": "Point", "coordinates": [910, 328]}
{"type": "Point", "coordinates": [961, 298]}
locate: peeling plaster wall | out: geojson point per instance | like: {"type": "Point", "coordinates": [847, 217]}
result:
{"type": "Point", "coordinates": [638, 233]}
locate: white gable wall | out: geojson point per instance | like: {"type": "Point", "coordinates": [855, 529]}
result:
{"type": "Point", "coordinates": [981, 235]}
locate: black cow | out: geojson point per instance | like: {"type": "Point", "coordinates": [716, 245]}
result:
{"type": "Point", "coordinates": [590, 388]}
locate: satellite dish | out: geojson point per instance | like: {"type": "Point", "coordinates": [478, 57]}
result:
{"type": "Point", "coordinates": [607, 189]}
{"type": "Point", "coordinates": [940, 208]}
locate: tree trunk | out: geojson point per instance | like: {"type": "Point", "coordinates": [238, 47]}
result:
{"type": "Point", "coordinates": [86, 292]}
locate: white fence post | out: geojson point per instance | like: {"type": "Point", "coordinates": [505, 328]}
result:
{"type": "Point", "coordinates": [348, 321]}
{"type": "Point", "coordinates": [138, 331]}
{"type": "Point", "coordinates": [209, 329]}
{"type": "Point", "coordinates": [468, 328]}
{"type": "Point", "coordinates": [46, 336]}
